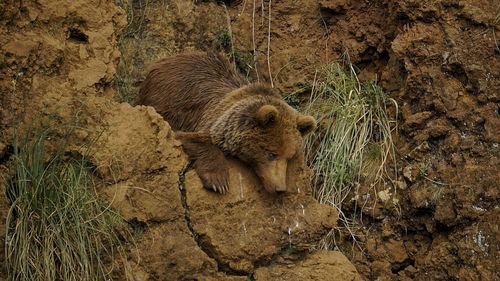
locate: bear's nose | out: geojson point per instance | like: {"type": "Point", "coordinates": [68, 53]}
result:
{"type": "Point", "coordinates": [280, 189]}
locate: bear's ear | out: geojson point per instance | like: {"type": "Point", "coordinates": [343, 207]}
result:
{"type": "Point", "coordinates": [266, 115]}
{"type": "Point", "coordinates": [306, 124]}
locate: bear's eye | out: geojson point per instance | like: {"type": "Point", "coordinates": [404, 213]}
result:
{"type": "Point", "coordinates": [272, 156]}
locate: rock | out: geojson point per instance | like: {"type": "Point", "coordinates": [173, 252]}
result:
{"type": "Point", "coordinates": [396, 251]}
{"type": "Point", "coordinates": [131, 141]}
{"type": "Point", "coordinates": [323, 265]}
{"type": "Point", "coordinates": [417, 118]}
{"type": "Point", "coordinates": [338, 6]}
{"type": "Point", "coordinates": [248, 226]}
{"type": "Point", "coordinates": [401, 184]}
{"type": "Point", "coordinates": [169, 251]}
{"type": "Point", "coordinates": [445, 212]}
{"type": "Point", "coordinates": [492, 123]}
{"type": "Point", "coordinates": [3, 150]}
{"type": "Point", "coordinates": [193, 233]}
{"type": "Point", "coordinates": [21, 45]}
{"type": "Point", "coordinates": [381, 269]}
{"type": "Point", "coordinates": [88, 74]}
{"type": "Point", "coordinates": [452, 141]}
{"type": "Point", "coordinates": [411, 172]}
{"type": "Point", "coordinates": [384, 195]}
{"type": "Point", "coordinates": [421, 197]}
{"type": "Point", "coordinates": [433, 129]}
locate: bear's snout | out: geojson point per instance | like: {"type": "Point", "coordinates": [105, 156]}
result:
{"type": "Point", "coordinates": [273, 175]}
{"type": "Point", "coordinates": [280, 189]}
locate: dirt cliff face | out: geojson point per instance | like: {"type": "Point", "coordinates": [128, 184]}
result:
{"type": "Point", "coordinates": [50, 51]}
{"type": "Point", "coordinates": [438, 59]}
{"type": "Point", "coordinates": [58, 62]}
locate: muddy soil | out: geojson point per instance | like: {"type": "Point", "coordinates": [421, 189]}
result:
{"type": "Point", "coordinates": [440, 60]}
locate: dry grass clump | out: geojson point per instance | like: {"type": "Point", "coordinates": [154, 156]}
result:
{"type": "Point", "coordinates": [58, 228]}
{"type": "Point", "coordinates": [354, 141]}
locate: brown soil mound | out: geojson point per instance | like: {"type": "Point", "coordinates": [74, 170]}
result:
{"type": "Point", "coordinates": [323, 265]}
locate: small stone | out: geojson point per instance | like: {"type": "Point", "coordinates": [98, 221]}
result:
{"type": "Point", "coordinates": [384, 195]}
{"type": "Point", "coordinates": [411, 269]}
{"type": "Point", "coordinates": [445, 213]}
{"type": "Point", "coordinates": [401, 185]}
{"type": "Point", "coordinates": [457, 159]}
{"type": "Point", "coordinates": [418, 118]}
{"type": "Point", "coordinates": [420, 197]}
{"type": "Point", "coordinates": [3, 149]}
{"type": "Point", "coordinates": [410, 173]}
{"type": "Point", "coordinates": [396, 251]}
{"type": "Point", "coordinates": [423, 147]}
{"type": "Point", "coordinates": [331, 265]}
{"type": "Point", "coordinates": [452, 141]}
{"type": "Point", "coordinates": [81, 134]}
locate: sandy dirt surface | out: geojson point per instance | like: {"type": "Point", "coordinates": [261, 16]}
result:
{"type": "Point", "coordinates": [440, 60]}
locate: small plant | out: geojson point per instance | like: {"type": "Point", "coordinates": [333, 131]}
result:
{"type": "Point", "coordinates": [424, 169]}
{"type": "Point", "coordinates": [355, 129]}
{"type": "Point", "coordinates": [242, 61]}
{"type": "Point", "coordinates": [437, 189]}
{"type": "Point", "coordinates": [223, 42]}
{"type": "Point", "coordinates": [58, 228]}
{"type": "Point", "coordinates": [223, 39]}
{"type": "Point", "coordinates": [493, 30]}
{"type": "Point", "coordinates": [353, 142]}
{"type": "Point", "coordinates": [292, 100]}
{"type": "Point", "coordinates": [436, 184]}
{"type": "Point", "coordinates": [123, 79]}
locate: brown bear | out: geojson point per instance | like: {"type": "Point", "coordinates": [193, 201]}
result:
{"type": "Point", "coordinates": [216, 113]}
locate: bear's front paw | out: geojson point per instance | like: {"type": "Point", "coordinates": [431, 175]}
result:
{"type": "Point", "coordinates": [216, 180]}
{"type": "Point", "coordinates": [209, 161]}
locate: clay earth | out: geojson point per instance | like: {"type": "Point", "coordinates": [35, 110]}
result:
{"type": "Point", "coordinates": [439, 60]}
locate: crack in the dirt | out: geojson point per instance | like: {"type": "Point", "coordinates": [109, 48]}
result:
{"type": "Point", "coordinates": [267, 261]}
{"type": "Point", "coordinates": [209, 250]}
{"type": "Point", "coordinates": [200, 240]}
{"type": "Point", "coordinates": [298, 255]}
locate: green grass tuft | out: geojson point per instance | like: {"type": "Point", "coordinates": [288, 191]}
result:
{"type": "Point", "coordinates": [292, 100]}
{"type": "Point", "coordinates": [123, 81]}
{"type": "Point", "coordinates": [222, 41]}
{"type": "Point", "coordinates": [58, 228]}
{"type": "Point", "coordinates": [354, 142]}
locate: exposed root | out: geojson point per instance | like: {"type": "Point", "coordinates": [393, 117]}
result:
{"type": "Point", "coordinates": [269, 46]}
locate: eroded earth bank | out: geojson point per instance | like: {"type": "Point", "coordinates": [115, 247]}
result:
{"type": "Point", "coordinates": [80, 62]}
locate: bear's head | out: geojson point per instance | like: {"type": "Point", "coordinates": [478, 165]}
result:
{"type": "Point", "coordinates": [267, 134]}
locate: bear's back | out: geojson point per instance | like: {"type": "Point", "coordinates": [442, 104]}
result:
{"type": "Point", "coordinates": [183, 87]}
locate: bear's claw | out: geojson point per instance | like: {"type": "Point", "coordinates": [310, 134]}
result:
{"type": "Point", "coordinates": [215, 179]}
{"type": "Point", "coordinates": [209, 161]}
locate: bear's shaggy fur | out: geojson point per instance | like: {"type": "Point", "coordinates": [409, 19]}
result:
{"type": "Point", "coordinates": [216, 113]}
